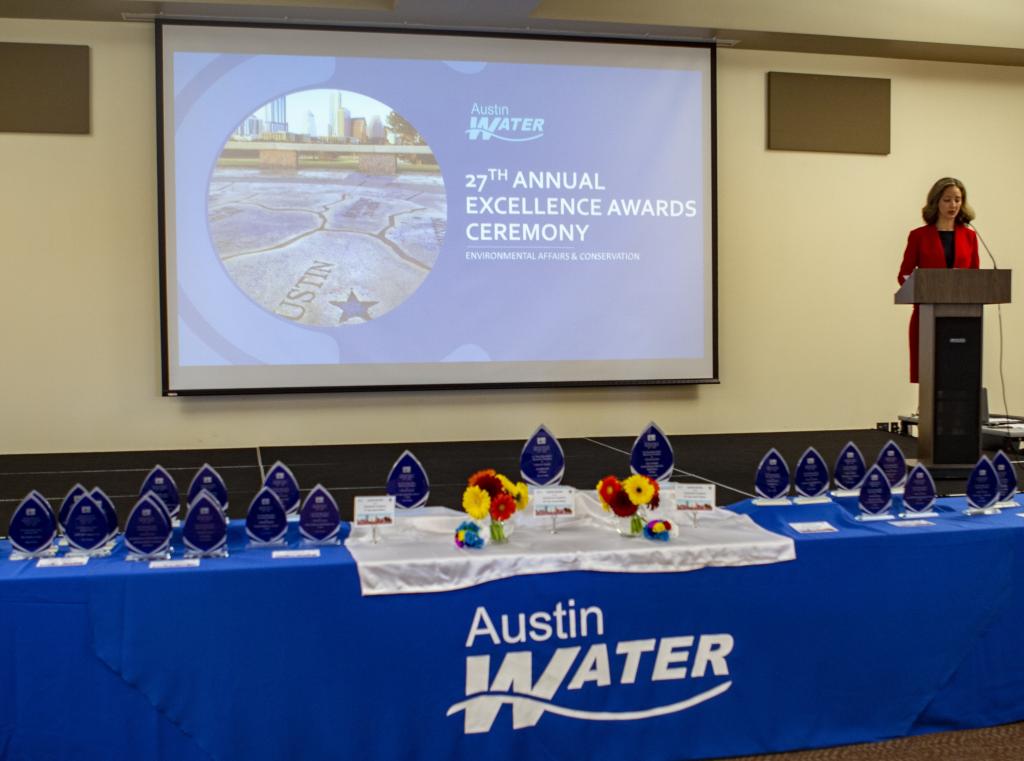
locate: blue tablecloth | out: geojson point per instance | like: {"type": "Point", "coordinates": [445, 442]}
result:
{"type": "Point", "coordinates": [875, 631]}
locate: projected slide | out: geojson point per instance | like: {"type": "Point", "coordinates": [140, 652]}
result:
{"type": "Point", "coordinates": [356, 210]}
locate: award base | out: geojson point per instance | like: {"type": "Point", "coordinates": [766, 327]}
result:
{"type": "Point", "coordinates": [103, 551]}
{"type": "Point", "coordinates": [48, 552]}
{"type": "Point", "coordinates": [134, 557]}
{"type": "Point", "coordinates": [866, 518]}
{"type": "Point", "coordinates": [910, 514]}
{"type": "Point", "coordinates": [972, 511]}
{"type": "Point", "coordinates": [821, 499]}
{"type": "Point", "coordinates": [255, 544]}
{"type": "Point", "coordinates": [220, 553]}
{"type": "Point", "coordinates": [845, 493]}
{"type": "Point", "coordinates": [1009, 504]}
{"type": "Point", "coordinates": [774, 502]}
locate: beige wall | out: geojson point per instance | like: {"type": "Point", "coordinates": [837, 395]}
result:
{"type": "Point", "coordinates": [806, 242]}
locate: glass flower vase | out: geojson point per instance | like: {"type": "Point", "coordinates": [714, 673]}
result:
{"type": "Point", "coordinates": [631, 525]}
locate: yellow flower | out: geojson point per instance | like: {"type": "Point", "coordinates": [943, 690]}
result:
{"type": "Point", "coordinates": [521, 493]}
{"type": "Point", "coordinates": [639, 488]}
{"type": "Point", "coordinates": [506, 484]}
{"type": "Point", "coordinates": [476, 502]}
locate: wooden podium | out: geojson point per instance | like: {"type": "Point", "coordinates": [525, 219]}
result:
{"type": "Point", "coordinates": [949, 369]}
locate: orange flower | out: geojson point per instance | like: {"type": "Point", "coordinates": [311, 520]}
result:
{"type": "Point", "coordinates": [488, 481]}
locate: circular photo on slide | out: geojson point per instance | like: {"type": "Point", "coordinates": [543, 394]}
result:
{"type": "Point", "coordinates": [327, 208]}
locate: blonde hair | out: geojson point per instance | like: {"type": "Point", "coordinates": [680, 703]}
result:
{"type": "Point", "coordinates": [930, 211]}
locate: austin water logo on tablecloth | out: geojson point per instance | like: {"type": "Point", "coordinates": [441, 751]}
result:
{"type": "Point", "coordinates": [919, 494]}
{"type": "Point", "coordinates": [160, 482]}
{"type": "Point", "coordinates": [542, 462]}
{"type": "Point", "coordinates": [319, 519]}
{"type": "Point", "coordinates": [147, 534]}
{"type": "Point", "coordinates": [285, 485]}
{"type": "Point", "coordinates": [207, 479]}
{"type": "Point", "coordinates": [893, 464]}
{"type": "Point", "coordinates": [521, 671]}
{"type": "Point", "coordinates": [408, 482]}
{"type": "Point", "coordinates": [875, 493]}
{"type": "Point", "coordinates": [1007, 476]}
{"type": "Point", "coordinates": [652, 454]}
{"type": "Point", "coordinates": [983, 485]}
{"type": "Point", "coordinates": [811, 477]}
{"type": "Point", "coordinates": [850, 468]}
{"type": "Point", "coordinates": [33, 526]}
{"type": "Point", "coordinates": [772, 479]}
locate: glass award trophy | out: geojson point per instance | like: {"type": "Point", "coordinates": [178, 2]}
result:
{"type": "Point", "coordinates": [161, 483]}
{"type": "Point", "coordinates": [207, 479]}
{"type": "Point", "coordinates": [1007, 480]}
{"type": "Point", "coordinates": [283, 483]}
{"type": "Point", "coordinates": [542, 462]}
{"type": "Point", "coordinates": [407, 482]}
{"type": "Point", "coordinates": [32, 529]}
{"type": "Point", "coordinates": [982, 489]}
{"type": "Point", "coordinates": [205, 532]}
{"type": "Point", "coordinates": [849, 471]}
{"type": "Point", "coordinates": [652, 455]}
{"type": "Point", "coordinates": [811, 478]}
{"type": "Point", "coordinates": [319, 519]}
{"type": "Point", "coordinates": [772, 480]}
{"type": "Point", "coordinates": [68, 502]}
{"type": "Point", "coordinates": [919, 494]}
{"type": "Point", "coordinates": [266, 521]}
{"type": "Point", "coordinates": [147, 534]}
{"type": "Point", "coordinates": [875, 498]}
{"type": "Point", "coordinates": [87, 528]}
{"type": "Point", "coordinates": [107, 505]}
{"type": "Point", "coordinates": [894, 465]}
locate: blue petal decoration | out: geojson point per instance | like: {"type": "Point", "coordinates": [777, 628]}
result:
{"type": "Point", "coordinates": [284, 484]}
{"type": "Point", "coordinates": [207, 479]}
{"type": "Point", "coordinates": [161, 483]}
{"type": "Point", "coordinates": [68, 502]}
{"type": "Point", "coordinates": [87, 527]}
{"type": "Point", "coordinates": [542, 462]}
{"type": "Point", "coordinates": [652, 454]}
{"type": "Point", "coordinates": [319, 519]}
{"type": "Point", "coordinates": [811, 476]}
{"type": "Point", "coordinates": [204, 532]}
{"type": "Point", "coordinates": [875, 493]}
{"type": "Point", "coordinates": [772, 479]}
{"type": "Point", "coordinates": [408, 482]}
{"type": "Point", "coordinates": [148, 530]}
{"type": "Point", "coordinates": [107, 505]}
{"type": "Point", "coordinates": [893, 464]}
{"type": "Point", "coordinates": [919, 493]}
{"type": "Point", "coordinates": [33, 526]}
{"type": "Point", "coordinates": [983, 485]}
{"type": "Point", "coordinates": [1007, 475]}
{"type": "Point", "coordinates": [850, 468]}
{"type": "Point", "coordinates": [266, 521]}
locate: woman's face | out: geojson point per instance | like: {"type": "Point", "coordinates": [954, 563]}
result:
{"type": "Point", "coordinates": [949, 203]}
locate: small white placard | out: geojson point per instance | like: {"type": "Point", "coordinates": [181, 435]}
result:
{"type": "Point", "coordinates": [285, 554]}
{"type": "Point", "coordinates": [554, 502]}
{"type": "Point", "coordinates": [374, 511]}
{"type": "Point", "coordinates": [912, 523]}
{"type": "Point", "coordinates": [813, 527]}
{"type": "Point", "coordinates": [64, 562]}
{"type": "Point", "coordinates": [694, 496]}
{"type": "Point", "coordinates": [180, 563]}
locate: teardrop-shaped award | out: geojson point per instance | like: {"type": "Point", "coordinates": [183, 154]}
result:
{"type": "Point", "coordinates": [982, 488]}
{"type": "Point", "coordinates": [68, 502]}
{"type": "Point", "coordinates": [283, 483]}
{"type": "Point", "coordinates": [147, 534]}
{"type": "Point", "coordinates": [87, 528]}
{"type": "Point", "coordinates": [33, 528]}
{"type": "Point", "coordinates": [1007, 475]}
{"type": "Point", "coordinates": [652, 455]}
{"type": "Point", "coordinates": [875, 497]}
{"type": "Point", "coordinates": [408, 482]}
{"type": "Point", "coordinates": [542, 462]}
{"type": "Point", "coordinates": [893, 464]}
{"type": "Point", "coordinates": [204, 532]}
{"type": "Point", "coordinates": [107, 505]}
{"type": "Point", "coordinates": [207, 479]}
{"type": "Point", "coordinates": [850, 468]}
{"type": "Point", "coordinates": [266, 522]}
{"type": "Point", "coordinates": [319, 519]}
{"type": "Point", "coordinates": [161, 483]}
{"type": "Point", "coordinates": [772, 479]}
{"type": "Point", "coordinates": [919, 493]}
{"type": "Point", "coordinates": [811, 476]}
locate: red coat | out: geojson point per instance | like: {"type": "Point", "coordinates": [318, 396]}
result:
{"type": "Point", "coordinates": [924, 249]}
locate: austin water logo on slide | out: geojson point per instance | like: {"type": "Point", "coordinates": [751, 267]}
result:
{"type": "Point", "coordinates": [696, 661]}
{"type": "Point", "coordinates": [497, 121]}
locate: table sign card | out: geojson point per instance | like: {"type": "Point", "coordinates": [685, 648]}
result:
{"type": "Point", "coordinates": [652, 454]}
{"type": "Point", "coordinates": [1007, 480]}
{"type": "Point", "coordinates": [207, 479]}
{"type": "Point", "coordinates": [65, 561]}
{"type": "Point", "coordinates": [147, 534]}
{"type": "Point", "coordinates": [919, 494]}
{"type": "Point", "coordinates": [294, 554]}
{"type": "Point", "coordinates": [982, 489]}
{"type": "Point", "coordinates": [319, 519]}
{"type": "Point", "coordinates": [408, 482]}
{"type": "Point", "coordinates": [542, 462]}
{"type": "Point", "coordinates": [374, 512]}
{"type": "Point", "coordinates": [553, 502]}
{"type": "Point", "coordinates": [285, 485]}
{"type": "Point", "coordinates": [811, 478]}
{"type": "Point", "coordinates": [875, 499]}
{"type": "Point", "coordinates": [849, 471]}
{"type": "Point", "coordinates": [772, 480]}
{"type": "Point", "coordinates": [32, 529]}
{"type": "Point", "coordinates": [87, 528]}
{"type": "Point", "coordinates": [693, 499]}
{"type": "Point", "coordinates": [107, 505]}
{"type": "Point", "coordinates": [161, 483]}
{"type": "Point", "coordinates": [205, 532]}
{"type": "Point", "coordinates": [266, 521]}
{"type": "Point", "coordinates": [893, 464]}
{"type": "Point", "coordinates": [813, 527]}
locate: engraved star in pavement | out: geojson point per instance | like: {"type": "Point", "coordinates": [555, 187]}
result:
{"type": "Point", "coordinates": [352, 307]}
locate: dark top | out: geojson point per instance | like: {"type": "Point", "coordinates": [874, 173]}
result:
{"type": "Point", "coordinates": [946, 236]}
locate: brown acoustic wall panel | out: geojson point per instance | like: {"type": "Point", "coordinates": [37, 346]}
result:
{"type": "Point", "coordinates": [44, 88]}
{"type": "Point", "coordinates": [813, 112]}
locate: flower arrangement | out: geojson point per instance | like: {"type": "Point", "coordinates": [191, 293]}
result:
{"type": "Point", "coordinates": [467, 535]}
{"type": "Point", "coordinates": [658, 530]}
{"type": "Point", "coordinates": [489, 493]}
{"type": "Point", "coordinates": [625, 498]}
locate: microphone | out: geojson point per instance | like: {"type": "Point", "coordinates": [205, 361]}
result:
{"type": "Point", "coordinates": [983, 243]}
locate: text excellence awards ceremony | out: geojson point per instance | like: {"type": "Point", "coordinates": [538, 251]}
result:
{"type": "Point", "coordinates": [401, 381]}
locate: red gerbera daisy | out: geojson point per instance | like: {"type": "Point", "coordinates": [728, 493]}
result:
{"type": "Point", "coordinates": [608, 487]}
{"type": "Point", "coordinates": [488, 481]}
{"type": "Point", "coordinates": [621, 504]}
{"type": "Point", "coordinates": [502, 507]}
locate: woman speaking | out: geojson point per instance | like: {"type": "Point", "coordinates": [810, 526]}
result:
{"type": "Point", "coordinates": [943, 241]}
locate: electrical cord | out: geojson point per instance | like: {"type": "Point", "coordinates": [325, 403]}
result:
{"type": "Point", "coordinates": [999, 313]}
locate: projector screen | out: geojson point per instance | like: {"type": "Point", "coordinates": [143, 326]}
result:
{"type": "Point", "coordinates": [351, 209]}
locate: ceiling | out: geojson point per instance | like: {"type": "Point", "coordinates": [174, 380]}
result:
{"type": "Point", "coordinates": [990, 32]}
